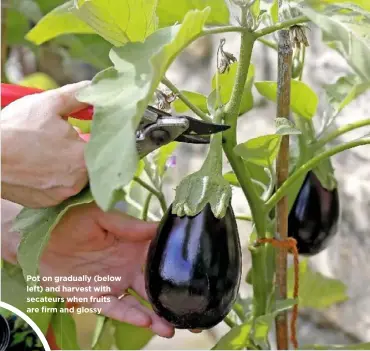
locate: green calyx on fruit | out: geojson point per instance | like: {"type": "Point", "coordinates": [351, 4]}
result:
{"type": "Point", "coordinates": [206, 186]}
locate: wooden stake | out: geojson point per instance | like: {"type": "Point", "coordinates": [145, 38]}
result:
{"type": "Point", "coordinates": [285, 52]}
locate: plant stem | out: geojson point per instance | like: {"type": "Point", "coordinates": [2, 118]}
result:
{"type": "Point", "coordinates": [259, 33]}
{"type": "Point", "coordinates": [280, 25]}
{"type": "Point", "coordinates": [158, 194]}
{"type": "Point", "coordinates": [260, 297]}
{"type": "Point", "coordinates": [303, 60]}
{"type": "Point", "coordinates": [185, 100]}
{"type": "Point", "coordinates": [136, 205]}
{"type": "Point", "coordinates": [231, 114]}
{"type": "Point", "coordinates": [284, 189]}
{"type": "Point", "coordinates": [285, 54]}
{"type": "Point", "coordinates": [224, 29]}
{"type": "Point", "coordinates": [239, 311]}
{"type": "Point", "coordinates": [244, 217]}
{"type": "Point", "coordinates": [145, 210]}
{"type": "Point", "coordinates": [340, 131]}
{"type": "Point", "coordinates": [229, 322]}
{"type": "Point", "coordinates": [268, 43]}
{"type": "Point", "coordinates": [149, 172]}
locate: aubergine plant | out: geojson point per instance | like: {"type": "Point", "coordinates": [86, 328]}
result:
{"type": "Point", "coordinates": [287, 177]}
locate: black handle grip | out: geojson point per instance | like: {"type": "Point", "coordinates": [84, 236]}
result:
{"type": "Point", "coordinates": [4, 333]}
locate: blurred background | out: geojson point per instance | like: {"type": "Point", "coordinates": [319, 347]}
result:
{"type": "Point", "coordinates": [71, 58]}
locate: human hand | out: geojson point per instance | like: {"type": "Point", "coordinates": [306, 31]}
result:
{"type": "Point", "coordinates": [42, 154]}
{"type": "Point", "coordinates": [88, 241]}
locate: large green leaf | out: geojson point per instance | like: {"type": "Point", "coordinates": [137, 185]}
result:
{"type": "Point", "coordinates": [236, 339]}
{"type": "Point", "coordinates": [104, 334]}
{"type": "Point", "coordinates": [120, 22]}
{"type": "Point", "coordinates": [344, 91]}
{"type": "Point", "coordinates": [65, 332]}
{"type": "Point", "coordinates": [35, 225]}
{"type": "Point", "coordinates": [14, 292]}
{"type": "Point", "coordinates": [257, 173]}
{"type": "Point", "coordinates": [303, 99]}
{"type": "Point", "coordinates": [61, 20]}
{"type": "Point", "coordinates": [232, 179]}
{"type": "Point", "coordinates": [263, 323]}
{"type": "Point", "coordinates": [120, 96]}
{"type": "Point", "coordinates": [196, 99]}
{"type": "Point", "coordinates": [241, 336]}
{"type": "Point", "coordinates": [349, 40]}
{"type": "Point", "coordinates": [226, 83]}
{"type": "Point", "coordinates": [274, 11]}
{"type": "Point", "coordinates": [169, 12]}
{"type": "Point", "coordinates": [255, 9]}
{"type": "Point", "coordinates": [130, 337]}
{"type": "Point", "coordinates": [261, 150]}
{"type": "Point", "coordinates": [316, 290]}
{"type": "Point", "coordinates": [99, 329]}
{"type": "Point", "coordinates": [363, 346]}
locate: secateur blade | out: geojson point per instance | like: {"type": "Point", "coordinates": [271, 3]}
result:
{"type": "Point", "coordinates": [199, 131]}
{"type": "Point", "coordinates": [193, 139]}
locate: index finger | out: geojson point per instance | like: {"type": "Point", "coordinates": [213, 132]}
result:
{"type": "Point", "coordinates": [126, 226]}
{"type": "Point", "coordinates": [62, 101]}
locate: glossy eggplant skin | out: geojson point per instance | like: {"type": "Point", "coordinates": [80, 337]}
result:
{"type": "Point", "coordinates": [314, 217]}
{"type": "Point", "coordinates": [193, 269]}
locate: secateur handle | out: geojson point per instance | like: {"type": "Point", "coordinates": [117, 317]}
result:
{"type": "Point", "coordinates": [12, 92]}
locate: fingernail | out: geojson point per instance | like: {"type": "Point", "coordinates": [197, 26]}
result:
{"type": "Point", "coordinates": [196, 331]}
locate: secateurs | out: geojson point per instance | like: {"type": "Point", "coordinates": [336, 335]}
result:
{"type": "Point", "coordinates": [156, 128]}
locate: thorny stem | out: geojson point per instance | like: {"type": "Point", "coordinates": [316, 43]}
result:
{"type": "Point", "coordinates": [158, 194]}
{"type": "Point", "coordinates": [284, 189]}
{"type": "Point", "coordinates": [285, 54]}
{"type": "Point", "coordinates": [340, 131]}
{"type": "Point", "coordinates": [280, 25]}
{"type": "Point", "coordinates": [185, 100]}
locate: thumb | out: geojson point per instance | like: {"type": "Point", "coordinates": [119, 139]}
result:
{"type": "Point", "coordinates": [126, 226]}
{"type": "Point", "coordinates": [62, 101]}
